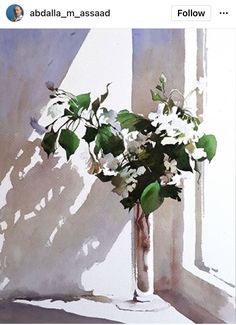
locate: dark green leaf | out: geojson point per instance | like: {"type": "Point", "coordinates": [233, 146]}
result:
{"type": "Point", "coordinates": [109, 142]}
{"type": "Point", "coordinates": [96, 150]}
{"type": "Point", "coordinates": [116, 145]}
{"type": "Point", "coordinates": [49, 142]}
{"type": "Point", "coordinates": [95, 105]}
{"type": "Point", "coordinates": [209, 144]}
{"type": "Point", "coordinates": [171, 191]}
{"type": "Point", "coordinates": [67, 112]}
{"type": "Point", "coordinates": [68, 141]}
{"type": "Point", "coordinates": [90, 134]}
{"type": "Point", "coordinates": [171, 103]}
{"type": "Point", "coordinates": [166, 109]}
{"type": "Point", "coordinates": [151, 198]}
{"type": "Point", "coordinates": [127, 202]}
{"type": "Point", "coordinates": [158, 87]}
{"type": "Point", "coordinates": [182, 159]}
{"type": "Point", "coordinates": [131, 121]}
{"type": "Point", "coordinates": [104, 96]}
{"type": "Point", "coordinates": [83, 100]}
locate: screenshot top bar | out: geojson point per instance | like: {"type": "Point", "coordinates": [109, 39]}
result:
{"type": "Point", "coordinates": [117, 14]}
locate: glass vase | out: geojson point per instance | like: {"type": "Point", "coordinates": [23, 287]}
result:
{"type": "Point", "coordinates": [142, 265]}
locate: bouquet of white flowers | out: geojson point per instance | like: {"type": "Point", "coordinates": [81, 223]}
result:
{"type": "Point", "coordinates": [144, 158]}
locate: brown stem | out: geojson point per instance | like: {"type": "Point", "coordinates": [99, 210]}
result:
{"type": "Point", "coordinates": [142, 242]}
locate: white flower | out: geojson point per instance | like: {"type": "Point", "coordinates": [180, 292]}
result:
{"type": "Point", "coordinates": [133, 140]}
{"type": "Point", "coordinates": [198, 153]}
{"type": "Point", "coordinates": [170, 165]}
{"type": "Point", "coordinates": [128, 180]}
{"type": "Point", "coordinates": [131, 187]}
{"type": "Point", "coordinates": [55, 111]}
{"type": "Point", "coordinates": [141, 170]}
{"type": "Point", "coordinates": [170, 179]}
{"type": "Point", "coordinates": [109, 164]}
{"type": "Point", "coordinates": [175, 180]}
{"type": "Point", "coordinates": [169, 140]}
{"type": "Point", "coordinates": [109, 117]}
{"type": "Point", "coordinates": [153, 116]}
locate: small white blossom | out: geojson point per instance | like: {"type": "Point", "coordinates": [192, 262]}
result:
{"type": "Point", "coordinates": [133, 140]}
{"type": "Point", "coordinates": [198, 153]}
{"type": "Point", "coordinates": [109, 117]}
{"type": "Point", "coordinates": [109, 164]}
{"type": "Point", "coordinates": [55, 111]}
{"type": "Point", "coordinates": [169, 140]}
{"type": "Point", "coordinates": [131, 187]}
{"type": "Point", "coordinates": [141, 170]}
{"type": "Point", "coordinates": [170, 165]}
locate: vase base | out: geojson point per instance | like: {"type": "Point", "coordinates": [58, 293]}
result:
{"type": "Point", "coordinates": [144, 304]}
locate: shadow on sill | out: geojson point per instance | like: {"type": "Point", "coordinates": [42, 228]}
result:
{"type": "Point", "coordinates": [13, 312]}
{"type": "Point", "coordinates": [193, 312]}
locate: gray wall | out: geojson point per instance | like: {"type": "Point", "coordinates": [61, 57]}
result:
{"type": "Point", "coordinates": [29, 266]}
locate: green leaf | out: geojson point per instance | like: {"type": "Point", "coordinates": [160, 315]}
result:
{"type": "Point", "coordinates": [96, 105]}
{"type": "Point", "coordinates": [128, 203]}
{"type": "Point", "coordinates": [109, 142]}
{"type": "Point", "coordinates": [68, 141]}
{"type": "Point", "coordinates": [83, 100]}
{"type": "Point", "coordinates": [166, 109]}
{"type": "Point", "coordinates": [103, 138]}
{"type": "Point", "coordinates": [73, 106]}
{"type": "Point", "coordinates": [117, 145]}
{"type": "Point", "coordinates": [171, 191]}
{"type": "Point", "coordinates": [49, 142]}
{"type": "Point", "coordinates": [209, 143]}
{"type": "Point", "coordinates": [158, 87]}
{"type": "Point", "coordinates": [104, 96]}
{"type": "Point", "coordinates": [182, 158]}
{"type": "Point", "coordinates": [156, 96]}
{"type": "Point", "coordinates": [96, 150]}
{"type": "Point", "coordinates": [151, 198]}
{"type": "Point", "coordinates": [171, 102]}
{"type": "Point", "coordinates": [90, 134]}
{"type": "Point", "coordinates": [67, 112]}
{"type": "Point", "coordinates": [131, 121]}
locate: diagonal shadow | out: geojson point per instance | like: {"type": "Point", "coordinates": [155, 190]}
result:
{"type": "Point", "coordinates": [12, 312]}
{"type": "Point", "coordinates": [33, 267]}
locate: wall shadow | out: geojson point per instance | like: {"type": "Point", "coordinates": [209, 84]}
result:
{"type": "Point", "coordinates": [34, 260]}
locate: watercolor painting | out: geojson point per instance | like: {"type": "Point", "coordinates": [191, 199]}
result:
{"type": "Point", "coordinates": [115, 206]}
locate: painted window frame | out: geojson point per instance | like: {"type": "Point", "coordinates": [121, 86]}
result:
{"type": "Point", "coordinates": [195, 281]}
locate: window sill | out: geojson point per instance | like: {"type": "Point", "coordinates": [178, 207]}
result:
{"type": "Point", "coordinates": [206, 295]}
